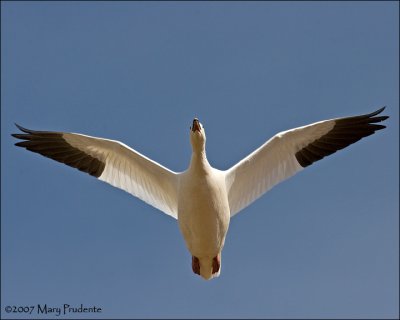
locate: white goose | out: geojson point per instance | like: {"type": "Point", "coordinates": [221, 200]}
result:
{"type": "Point", "coordinates": [202, 198]}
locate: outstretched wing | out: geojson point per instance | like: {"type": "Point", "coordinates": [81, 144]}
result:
{"type": "Point", "coordinates": [290, 151]}
{"type": "Point", "coordinates": [110, 161]}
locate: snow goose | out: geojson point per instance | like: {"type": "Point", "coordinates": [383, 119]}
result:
{"type": "Point", "coordinates": [202, 198]}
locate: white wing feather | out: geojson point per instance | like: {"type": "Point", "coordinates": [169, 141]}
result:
{"type": "Point", "coordinates": [270, 164]}
{"type": "Point", "coordinates": [131, 171]}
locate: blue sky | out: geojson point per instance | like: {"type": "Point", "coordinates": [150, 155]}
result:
{"type": "Point", "coordinates": [322, 244]}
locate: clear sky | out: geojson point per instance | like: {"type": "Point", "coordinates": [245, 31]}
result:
{"type": "Point", "coordinates": [322, 244]}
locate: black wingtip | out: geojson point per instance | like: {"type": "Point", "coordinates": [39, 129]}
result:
{"type": "Point", "coordinates": [21, 144]}
{"type": "Point", "coordinates": [22, 128]}
{"type": "Point", "coordinates": [34, 132]}
{"type": "Point", "coordinates": [380, 118]}
{"type": "Point", "coordinates": [377, 112]}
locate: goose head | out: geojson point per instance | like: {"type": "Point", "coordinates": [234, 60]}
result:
{"type": "Point", "coordinates": [197, 136]}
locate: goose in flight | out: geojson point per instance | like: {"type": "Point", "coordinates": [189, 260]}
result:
{"type": "Point", "coordinates": [203, 199]}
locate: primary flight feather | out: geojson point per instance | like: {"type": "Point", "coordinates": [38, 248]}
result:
{"type": "Point", "coordinates": [202, 198]}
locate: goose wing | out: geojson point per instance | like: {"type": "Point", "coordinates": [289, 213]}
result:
{"type": "Point", "coordinates": [110, 161]}
{"type": "Point", "coordinates": [291, 151]}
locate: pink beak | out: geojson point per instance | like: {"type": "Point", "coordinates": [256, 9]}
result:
{"type": "Point", "coordinates": [196, 125]}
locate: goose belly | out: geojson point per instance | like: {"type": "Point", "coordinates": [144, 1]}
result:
{"type": "Point", "coordinates": [203, 216]}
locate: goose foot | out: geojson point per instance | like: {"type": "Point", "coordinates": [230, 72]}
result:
{"type": "Point", "coordinates": [216, 263]}
{"type": "Point", "coordinates": [196, 265]}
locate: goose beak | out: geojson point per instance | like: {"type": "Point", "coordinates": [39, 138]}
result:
{"type": "Point", "coordinates": [196, 125]}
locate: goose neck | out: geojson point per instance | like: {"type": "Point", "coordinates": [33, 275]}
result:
{"type": "Point", "coordinates": [199, 160]}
